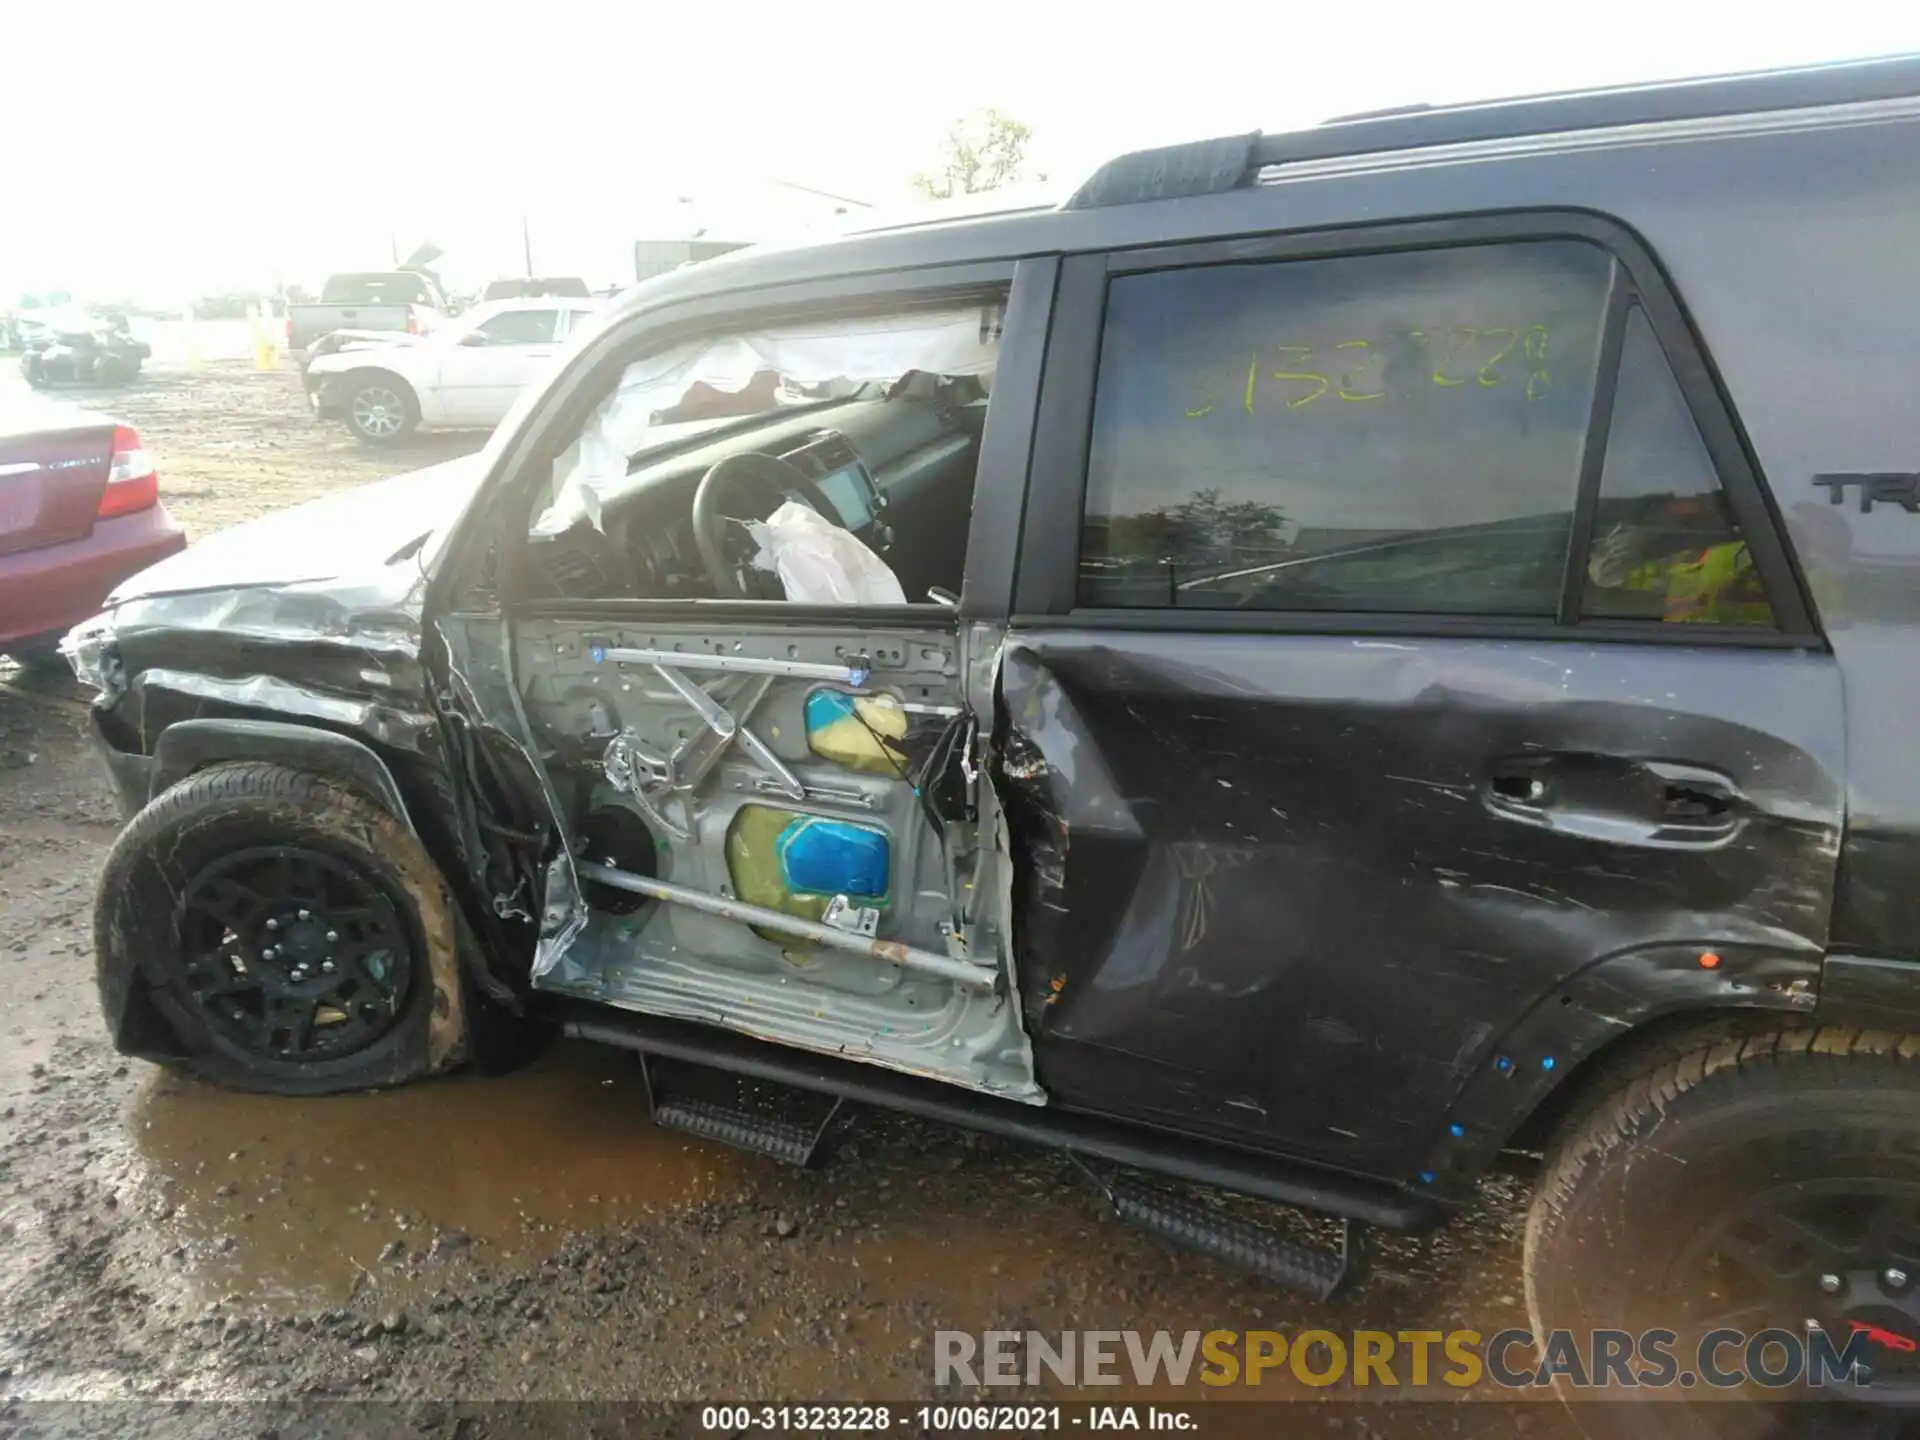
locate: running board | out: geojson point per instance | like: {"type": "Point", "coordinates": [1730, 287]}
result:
{"type": "Point", "coordinates": [791, 1134]}
{"type": "Point", "coordinates": [1245, 1246]}
{"type": "Point", "coordinates": [1090, 1138]}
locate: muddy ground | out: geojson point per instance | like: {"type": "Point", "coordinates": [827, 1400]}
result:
{"type": "Point", "coordinates": [530, 1236]}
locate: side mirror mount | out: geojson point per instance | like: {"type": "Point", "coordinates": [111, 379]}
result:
{"type": "Point", "coordinates": [474, 337]}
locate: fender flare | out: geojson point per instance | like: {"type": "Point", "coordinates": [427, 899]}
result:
{"type": "Point", "coordinates": [1542, 1057]}
{"type": "Point", "coordinates": [190, 745]}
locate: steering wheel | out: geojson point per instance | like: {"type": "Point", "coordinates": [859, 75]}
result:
{"type": "Point", "coordinates": [740, 488]}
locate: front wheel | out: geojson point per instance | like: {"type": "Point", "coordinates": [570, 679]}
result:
{"type": "Point", "coordinates": [381, 410]}
{"type": "Point", "coordinates": [1759, 1182]}
{"type": "Point", "coordinates": [269, 930]}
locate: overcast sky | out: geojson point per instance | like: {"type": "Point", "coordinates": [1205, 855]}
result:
{"type": "Point", "coordinates": [196, 145]}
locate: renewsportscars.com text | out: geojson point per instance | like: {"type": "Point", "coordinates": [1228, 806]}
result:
{"type": "Point", "coordinates": [1586, 1360]}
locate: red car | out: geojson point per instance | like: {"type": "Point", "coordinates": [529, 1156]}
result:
{"type": "Point", "coordinates": [80, 511]}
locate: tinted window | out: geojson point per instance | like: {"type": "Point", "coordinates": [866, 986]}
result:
{"type": "Point", "coordinates": [1386, 432]}
{"type": "Point", "coordinates": [1665, 545]}
{"type": "Point", "coordinates": [522, 327]}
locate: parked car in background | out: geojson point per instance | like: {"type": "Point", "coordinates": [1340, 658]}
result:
{"type": "Point", "coordinates": [400, 300]}
{"type": "Point", "coordinates": [464, 374]}
{"type": "Point", "coordinates": [559, 286]}
{"type": "Point", "coordinates": [80, 512]}
{"type": "Point", "coordinates": [28, 314]}
{"type": "Point", "coordinates": [77, 347]}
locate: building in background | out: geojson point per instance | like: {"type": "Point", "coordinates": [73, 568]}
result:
{"type": "Point", "coordinates": [731, 217]}
{"type": "Point", "coordinates": [657, 257]}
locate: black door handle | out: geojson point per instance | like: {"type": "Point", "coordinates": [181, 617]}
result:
{"type": "Point", "coordinates": [1518, 787]}
{"type": "Point", "coordinates": [1694, 804]}
{"type": "Point", "coordinates": [1615, 799]}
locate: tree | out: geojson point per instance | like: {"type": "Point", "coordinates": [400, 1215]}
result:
{"type": "Point", "coordinates": [981, 152]}
{"type": "Point", "coordinates": [1202, 529]}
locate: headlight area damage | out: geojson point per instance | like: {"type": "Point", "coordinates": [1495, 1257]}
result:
{"type": "Point", "coordinates": [274, 913]}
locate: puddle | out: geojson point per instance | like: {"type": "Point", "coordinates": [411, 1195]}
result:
{"type": "Point", "coordinates": [289, 1202]}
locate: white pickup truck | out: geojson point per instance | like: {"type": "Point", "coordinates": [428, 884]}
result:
{"type": "Point", "coordinates": [465, 374]}
{"type": "Point", "coordinates": [403, 301]}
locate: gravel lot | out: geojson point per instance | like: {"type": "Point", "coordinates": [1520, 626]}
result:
{"type": "Point", "coordinates": [528, 1236]}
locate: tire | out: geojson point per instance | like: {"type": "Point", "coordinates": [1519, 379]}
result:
{"type": "Point", "coordinates": [267, 929]}
{"type": "Point", "coordinates": [381, 409]}
{"type": "Point", "coordinates": [1718, 1184]}
{"type": "Point", "coordinates": [35, 372]}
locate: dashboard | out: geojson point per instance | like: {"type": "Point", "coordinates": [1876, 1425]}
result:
{"type": "Point", "coordinates": [866, 462]}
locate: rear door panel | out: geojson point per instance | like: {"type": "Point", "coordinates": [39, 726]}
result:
{"type": "Point", "coordinates": [1285, 889]}
{"type": "Point", "coordinates": [1293, 873]}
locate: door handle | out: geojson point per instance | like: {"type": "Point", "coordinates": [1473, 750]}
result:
{"type": "Point", "coordinates": [1693, 804]}
{"type": "Point", "coordinates": [1517, 787]}
{"type": "Point", "coordinates": [1616, 800]}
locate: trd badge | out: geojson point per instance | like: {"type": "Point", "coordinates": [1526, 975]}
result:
{"type": "Point", "coordinates": [1897, 489]}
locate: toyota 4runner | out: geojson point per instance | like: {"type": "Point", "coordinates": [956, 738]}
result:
{"type": "Point", "coordinates": [1323, 661]}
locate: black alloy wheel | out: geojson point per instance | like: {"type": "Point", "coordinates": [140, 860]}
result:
{"type": "Point", "coordinates": [290, 954]}
{"type": "Point", "coordinates": [1841, 1256]}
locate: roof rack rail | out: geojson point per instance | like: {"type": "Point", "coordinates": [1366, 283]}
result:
{"type": "Point", "coordinates": [1210, 167]}
{"type": "Point", "coordinates": [1173, 172]}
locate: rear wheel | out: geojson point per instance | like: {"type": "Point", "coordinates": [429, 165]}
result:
{"type": "Point", "coordinates": [285, 934]}
{"type": "Point", "coordinates": [381, 409]}
{"type": "Point", "coordinates": [1753, 1183]}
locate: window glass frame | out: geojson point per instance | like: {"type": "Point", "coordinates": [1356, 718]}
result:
{"type": "Point", "coordinates": [520, 459]}
{"type": "Point", "coordinates": [1048, 565]}
{"type": "Point", "coordinates": [553, 328]}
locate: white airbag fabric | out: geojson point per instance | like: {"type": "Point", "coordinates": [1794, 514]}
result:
{"type": "Point", "coordinates": [854, 351]}
{"type": "Point", "coordinates": [819, 563]}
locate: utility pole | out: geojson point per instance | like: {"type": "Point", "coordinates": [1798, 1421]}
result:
{"type": "Point", "coordinates": [393, 248]}
{"type": "Point", "coordinates": [526, 244]}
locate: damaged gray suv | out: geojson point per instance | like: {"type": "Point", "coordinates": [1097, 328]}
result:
{"type": "Point", "coordinates": [1325, 661]}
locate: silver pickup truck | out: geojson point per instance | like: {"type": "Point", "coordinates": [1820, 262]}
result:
{"type": "Point", "coordinates": [396, 300]}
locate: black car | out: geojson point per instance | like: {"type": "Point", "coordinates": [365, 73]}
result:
{"type": "Point", "coordinates": [1322, 664]}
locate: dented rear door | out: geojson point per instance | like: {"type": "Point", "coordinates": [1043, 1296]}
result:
{"type": "Point", "coordinates": [1278, 888]}
{"type": "Point", "coordinates": [1289, 878]}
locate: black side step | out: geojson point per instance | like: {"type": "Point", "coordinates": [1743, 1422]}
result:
{"type": "Point", "coordinates": [787, 1128]}
{"type": "Point", "coordinates": [1192, 1226]}
{"type": "Point", "coordinates": [1197, 1161]}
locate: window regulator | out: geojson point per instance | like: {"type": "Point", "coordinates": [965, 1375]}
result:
{"type": "Point", "coordinates": [657, 783]}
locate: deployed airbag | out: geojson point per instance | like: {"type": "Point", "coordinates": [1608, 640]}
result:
{"type": "Point", "coordinates": [819, 563]}
{"type": "Point", "coordinates": [837, 355]}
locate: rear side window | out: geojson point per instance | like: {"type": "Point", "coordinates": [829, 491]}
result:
{"type": "Point", "coordinates": [522, 327]}
{"type": "Point", "coordinates": [1376, 433]}
{"type": "Point", "coordinates": [1665, 544]}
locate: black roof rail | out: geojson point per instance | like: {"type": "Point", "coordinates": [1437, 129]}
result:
{"type": "Point", "coordinates": [1212, 166]}
{"type": "Point", "coordinates": [1201, 167]}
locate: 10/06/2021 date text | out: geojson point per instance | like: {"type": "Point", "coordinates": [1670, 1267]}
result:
{"type": "Point", "coordinates": [1454, 356]}
{"type": "Point", "coordinates": [943, 1419]}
